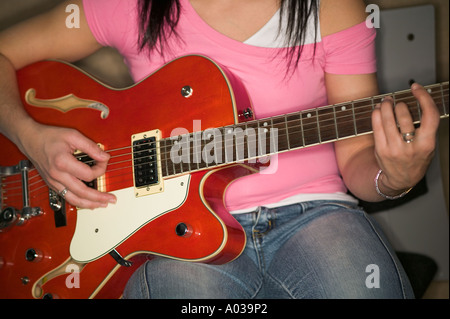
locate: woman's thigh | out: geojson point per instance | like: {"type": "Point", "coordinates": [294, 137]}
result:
{"type": "Point", "coordinates": [339, 254]}
{"type": "Point", "coordinates": [163, 278]}
{"type": "Point", "coordinates": [321, 251]}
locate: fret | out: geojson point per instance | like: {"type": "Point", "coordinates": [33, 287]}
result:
{"type": "Point", "coordinates": [377, 99]}
{"type": "Point", "coordinates": [444, 106]}
{"type": "Point", "coordinates": [166, 152]}
{"type": "Point", "coordinates": [185, 165]}
{"type": "Point", "coordinates": [302, 129]}
{"type": "Point", "coordinates": [239, 143]}
{"type": "Point", "coordinates": [196, 151]}
{"type": "Point", "coordinates": [354, 119]}
{"type": "Point", "coordinates": [263, 137]}
{"type": "Point", "coordinates": [335, 122]}
{"type": "Point", "coordinates": [408, 98]}
{"type": "Point", "coordinates": [287, 132]}
{"type": "Point", "coordinates": [419, 110]}
{"type": "Point", "coordinates": [164, 158]}
{"type": "Point", "coordinates": [274, 135]}
{"type": "Point", "coordinates": [212, 148]}
{"type": "Point", "coordinates": [252, 138]}
{"type": "Point", "coordinates": [344, 117]}
{"type": "Point", "coordinates": [185, 154]}
{"type": "Point", "coordinates": [363, 115]}
{"type": "Point", "coordinates": [178, 154]}
{"type": "Point", "coordinates": [295, 131]}
{"type": "Point", "coordinates": [327, 128]}
{"type": "Point", "coordinates": [229, 148]}
{"type": "Point", "coordinates": [318, 126]}
{"type": "Point", "coordinates": [178, 163]}
{"type": "Point", "coordinates": [176, 168]}
{"type": "Point", "coordinates": [220, 146]}
{"type": "Point", "coordinates": [169, 164]}
{"type": "Point", "coordinates": [249, 142]}
{"type": "Point", "coordinates": [311, 133]}
{"type": "Point", "coordinates": [198, 144]}
{"type": "Point", "coordinates": [278, 128]}
{"type": "Point", "coordinates": [437, 93]}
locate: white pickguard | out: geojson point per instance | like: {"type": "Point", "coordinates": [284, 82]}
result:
{"type": "Point", "coordinates": [99, 231]}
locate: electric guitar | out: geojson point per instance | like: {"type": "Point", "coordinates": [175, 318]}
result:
{"type": "Point", "coordinates": [169, 181]}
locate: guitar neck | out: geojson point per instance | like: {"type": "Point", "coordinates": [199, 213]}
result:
{"type": "Point", "coordinates": [254, 139]}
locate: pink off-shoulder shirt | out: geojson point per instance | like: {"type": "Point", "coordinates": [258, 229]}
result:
{"type": "Point", "coordinates": [310, 173]}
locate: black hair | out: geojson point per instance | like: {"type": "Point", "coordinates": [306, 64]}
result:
{"type": "Point", "coordinates": [158, 20]}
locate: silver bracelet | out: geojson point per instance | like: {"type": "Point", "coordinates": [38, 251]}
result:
{"type": "Point", "coordinates": [384, 195]}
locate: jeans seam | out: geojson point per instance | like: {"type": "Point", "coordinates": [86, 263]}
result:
{"type": "Point", "coordinates": [256, 243]}
{"type": "Point", "coordinates": [145, 287]}
{"type": "Point", "coordinates": [380, 238]}
{"type": "Point", "coordinates": [234, 278]}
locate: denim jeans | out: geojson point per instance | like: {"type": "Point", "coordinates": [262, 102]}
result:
{"type": "Point", "coordinates": [317, 249]}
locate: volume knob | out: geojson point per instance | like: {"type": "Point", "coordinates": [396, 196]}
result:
{"type": "Point", "coordinates": [33, 255]}
{"type": "Point", "coordinates": [183, 230]}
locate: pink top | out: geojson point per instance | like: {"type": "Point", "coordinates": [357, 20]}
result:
{"type": "Point", "coordinates": [312, 170]}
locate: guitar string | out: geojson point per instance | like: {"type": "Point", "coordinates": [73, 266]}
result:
{"type": "Point", "coordinates": [290, 130]}
{"type": "Point", "coordinates": [301, 127]}
{"type": "Point", "coordinates": [313, 123]}
{"type": "Point", "coordinates": [127, 173]}
{"type": "Point", "coordinates": [312, 119]}
{"type": "Point", "coordinates": [108, 185]}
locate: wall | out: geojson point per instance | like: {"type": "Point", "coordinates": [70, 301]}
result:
{"type": "Point", "coordinates": [442, 67]}
{"type": "Point", "coordinates": [108, 66]}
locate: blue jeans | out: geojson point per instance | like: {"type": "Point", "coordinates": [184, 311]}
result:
{"type": "Point", "coordinates": [315, 249]}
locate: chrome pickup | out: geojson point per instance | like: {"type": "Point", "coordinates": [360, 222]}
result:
{"type": "Point", "coordinates": [147, 163]}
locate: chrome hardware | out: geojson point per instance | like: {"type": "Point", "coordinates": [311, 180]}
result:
{"type": "Point", "coordinates": [147, 170]}
{"type": "Point", "coordinates": [58, 205]}
{"type": "Point", "coordinates": [247, 113]}
{"type": "Point", "coordinates": [9, 215]}
{"type": "Point", "coordinates": [25, 280]}
{"type": "Point", "coordinates": [7, 218]}
{"type": "Point", "coordinates": [33, 255]}
{"type": "Point", "coordinates": [27, 213]}
{"type": "Point", "coordinates": [183, 230]}
{"type": "Point", "coordinates": [187, 91]}
{"type": "Point", "coordinates": [55, 200]}
{"type": "Point", "coordinates": [9, 170]}
{"type": "Point", "coordinates": [24, 167]}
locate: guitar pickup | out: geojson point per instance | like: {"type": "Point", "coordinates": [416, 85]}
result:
{"type": "Point", "coordinates": [147, 173]}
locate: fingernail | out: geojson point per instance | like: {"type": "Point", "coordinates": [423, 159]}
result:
{"type": "Point", "coordinates": [113, 200]}
{"type": "Point", "coordinates": [416, 86]}
{"type": "Point", "coordinates": [104, 155]}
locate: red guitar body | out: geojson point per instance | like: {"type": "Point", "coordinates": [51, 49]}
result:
{"type": "Point", "coordinates": [218, 99]}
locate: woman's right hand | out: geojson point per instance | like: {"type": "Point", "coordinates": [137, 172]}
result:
{"type": "Point", "coordinates": [51, 150]}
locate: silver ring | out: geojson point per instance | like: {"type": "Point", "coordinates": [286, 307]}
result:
{"type": "Point", "coordinates": [63, 192]}
{"type": "Point", "coordinates": [408, 137]}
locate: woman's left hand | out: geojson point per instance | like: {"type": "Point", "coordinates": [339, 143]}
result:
{"type": "Point", "coordinates": [402, 151]}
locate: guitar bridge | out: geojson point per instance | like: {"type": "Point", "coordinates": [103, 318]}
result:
{"type": "Point", "coordinates": [147, 171]}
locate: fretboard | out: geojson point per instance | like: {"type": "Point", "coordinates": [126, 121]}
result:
{"type": "Point", "coordinates": [255, 139]}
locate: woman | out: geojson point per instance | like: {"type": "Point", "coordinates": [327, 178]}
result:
{"type": "Point", "coordinates": [306, 237]}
